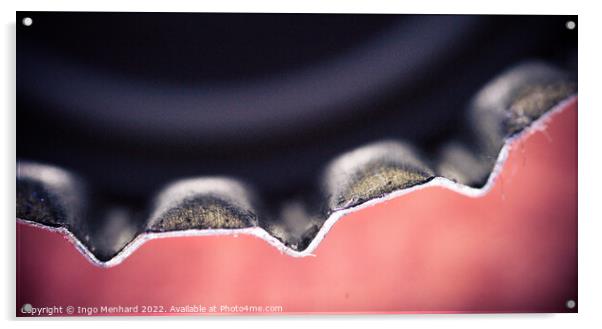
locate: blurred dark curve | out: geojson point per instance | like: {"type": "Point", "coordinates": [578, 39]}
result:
{"type": "Point", "coordinates": [280, 155]}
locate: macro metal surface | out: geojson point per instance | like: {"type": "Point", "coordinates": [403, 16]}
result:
{"type": "Point", "coordinates": [502, 109]}
{"type": "Point", "coordinates": [134, 123]}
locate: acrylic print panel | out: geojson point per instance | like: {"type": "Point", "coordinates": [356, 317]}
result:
{"type": "Point", "coordinates": [196, 164]}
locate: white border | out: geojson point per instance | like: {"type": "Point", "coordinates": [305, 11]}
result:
{"type": "Point", "coordinates": [590, 161]}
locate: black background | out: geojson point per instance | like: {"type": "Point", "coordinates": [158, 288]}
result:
{"type": "Point", "coordinates": [203, 50]}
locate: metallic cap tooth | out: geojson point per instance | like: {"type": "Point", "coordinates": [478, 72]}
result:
{"type": "Point", "coordinates": [514, 100]}
{"type": "Point", "coordinates": [55, 197]}
{"type": "Point", "coordinates": [49, 195]}
{"type": "Point", "coordinates": [297, 226]}
{"type": "Point", "coordinates": [371, 172]}
{"type": "Point", "coordinates": [109, 233]}
{"type": "Point", "coordinates": [459, 163]}
{"type": "Point", "coordinates": [203, 203]}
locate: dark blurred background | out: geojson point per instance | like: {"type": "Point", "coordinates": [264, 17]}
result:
{"type": "Point", "coordinates": [132, 101]}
